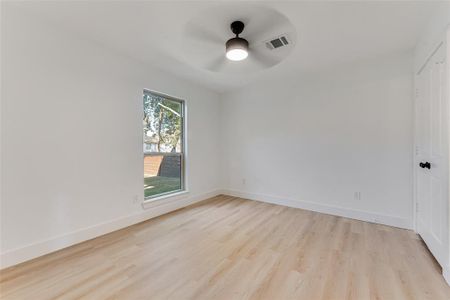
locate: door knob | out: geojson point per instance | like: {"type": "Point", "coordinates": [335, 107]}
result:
{"type": "Point", "coordinates": [425, 165]}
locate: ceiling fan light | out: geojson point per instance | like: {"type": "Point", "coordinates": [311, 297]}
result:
{"type": "Point", "coordinates": [237, 54]}
{"type": "Point", "coordinates": [237, 49]}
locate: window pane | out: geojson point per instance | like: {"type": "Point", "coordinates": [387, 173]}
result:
{"type": "Point", "coordinates": [162, 174]}
{"type": "Point", "coordinates": [162, 124]}
{"type": "Point", "coordinates": [163, 144]}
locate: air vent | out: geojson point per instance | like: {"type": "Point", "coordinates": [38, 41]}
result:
{"type": "Point", "coordinates": [277, 42]}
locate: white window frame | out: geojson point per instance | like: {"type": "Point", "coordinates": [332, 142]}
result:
{"type": "Point", "coordinates": [182, 153]}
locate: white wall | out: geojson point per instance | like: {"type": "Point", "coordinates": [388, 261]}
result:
{"type": "Point", "coordinates": [72, 138]}
{"type": "Point", "coordinates": [314, 142]}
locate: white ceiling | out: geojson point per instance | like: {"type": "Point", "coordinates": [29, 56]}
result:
{"type": "Point", "coordinates": [328, 34]}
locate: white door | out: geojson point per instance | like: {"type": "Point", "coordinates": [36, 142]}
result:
{"type": "Point", "coordinates": [431, 159]}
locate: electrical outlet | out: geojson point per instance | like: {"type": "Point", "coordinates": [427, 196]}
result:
{"type": "Point", "coordinates": [135, 199]}
{"type": "Point", "coordinates": [243, 181]}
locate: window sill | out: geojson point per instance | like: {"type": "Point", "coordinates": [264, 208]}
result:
{"type": "Point", "coordinates": [164, 199]}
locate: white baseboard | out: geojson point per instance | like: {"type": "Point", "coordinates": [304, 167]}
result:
{"type": "Point", "coordinates": [16, 256]}
{"type": "Point", "coordinates": [326, 209]}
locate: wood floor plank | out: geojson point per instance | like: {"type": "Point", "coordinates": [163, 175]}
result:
{"type": "Point", "coordinates": [232, 248]}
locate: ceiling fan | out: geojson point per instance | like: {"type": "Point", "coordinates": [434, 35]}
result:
{"type": "Point", "coordinates": [208, 44]}
{"type": "Point", "coordinates": [237, 47]}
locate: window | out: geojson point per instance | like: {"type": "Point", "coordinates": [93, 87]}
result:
{"type": "Point", "coordinates": [163, 144]}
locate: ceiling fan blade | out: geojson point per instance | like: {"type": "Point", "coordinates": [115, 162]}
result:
{"type": "Point", "coordinates": [262, 32]}
{"type": "Point", "coordinates": [201, 34]}
{"type": "Point", "coordinates": [259, 55]}
{"type": "Point", "coordinates": [217, 63]}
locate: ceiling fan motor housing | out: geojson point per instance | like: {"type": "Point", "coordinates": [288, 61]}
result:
{"type": "Point", "coordinates": [237, 42]}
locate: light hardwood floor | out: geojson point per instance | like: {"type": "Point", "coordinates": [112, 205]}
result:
{"type": "Point", "coordinates": [231, 248]}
